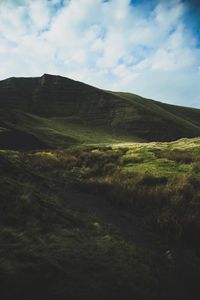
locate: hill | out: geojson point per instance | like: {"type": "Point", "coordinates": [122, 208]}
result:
{"type": "Point", "coordinates": [54, 111]}
{"type": "Point", "coordinates": [106, 204]}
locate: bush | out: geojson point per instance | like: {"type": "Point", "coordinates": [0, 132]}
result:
{"type": "Point", "coordinates": [179, 156]}
{"type": "Point", "coordinates": [131, 160]}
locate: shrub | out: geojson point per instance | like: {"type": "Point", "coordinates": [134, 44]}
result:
{"type": "Point", "coordinates": [131, 160]}
{"type": "Point", "coordinates": [179, 156]}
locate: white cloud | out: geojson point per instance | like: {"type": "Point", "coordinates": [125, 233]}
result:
{"type": "Point", "coordinates": [113, 45]}
{"type": "Point", "coordinates": [39, 14]}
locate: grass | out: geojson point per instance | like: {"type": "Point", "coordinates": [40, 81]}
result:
{"type": "Point", "coordinates": [137, 177]}
{"type": "Point", "coordinates": [161, 179]}
{"type": "Point", "coordinates": [52, 132]}
{"type": "Point", "coordinates": [50, 251]}
{"type": "Point", "coordinates": [47, 249]}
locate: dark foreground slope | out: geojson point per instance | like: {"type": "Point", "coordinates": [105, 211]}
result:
{"type": "Point", "coordinates": [92, 224]}
{"type": "Point", "coordinates": [57, 111]}
{"type": "Point", "coordinates": [49, 251]}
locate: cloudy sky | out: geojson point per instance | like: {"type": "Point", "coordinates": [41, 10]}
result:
{"type": "Point", "coordinates": [148, 47]}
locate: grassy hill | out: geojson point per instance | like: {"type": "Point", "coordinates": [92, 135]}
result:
{"type": "Point", "coordinates": [53, 111]}
{"type": "Point", "coordinates": [99, 198]}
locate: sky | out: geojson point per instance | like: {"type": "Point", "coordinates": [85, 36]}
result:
{"type": "Point", "coordinates": [148, 47]}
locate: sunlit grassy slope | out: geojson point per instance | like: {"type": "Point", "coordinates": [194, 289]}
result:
{"type": "Point", "coordinates": [50, 132]}
{"type": "Point", "coordinates": [53, 111]}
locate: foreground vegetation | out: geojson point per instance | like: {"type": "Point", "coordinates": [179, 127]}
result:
{"type": "Point", "coordinates": [48, 250]}
{"type": "Point", "coordinates": [161, 180]}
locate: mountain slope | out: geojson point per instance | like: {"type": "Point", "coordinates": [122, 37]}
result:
{"type": "Point", "coordinates": [53, 111]}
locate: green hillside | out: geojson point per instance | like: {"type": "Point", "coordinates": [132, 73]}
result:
{"type": "Point", "coordinates": [53, 111]}
{"type": "Point", "coordinates": [99, 198]}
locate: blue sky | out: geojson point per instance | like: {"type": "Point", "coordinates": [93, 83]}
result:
{"type": "Point", "coordinates": [148, 47]}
